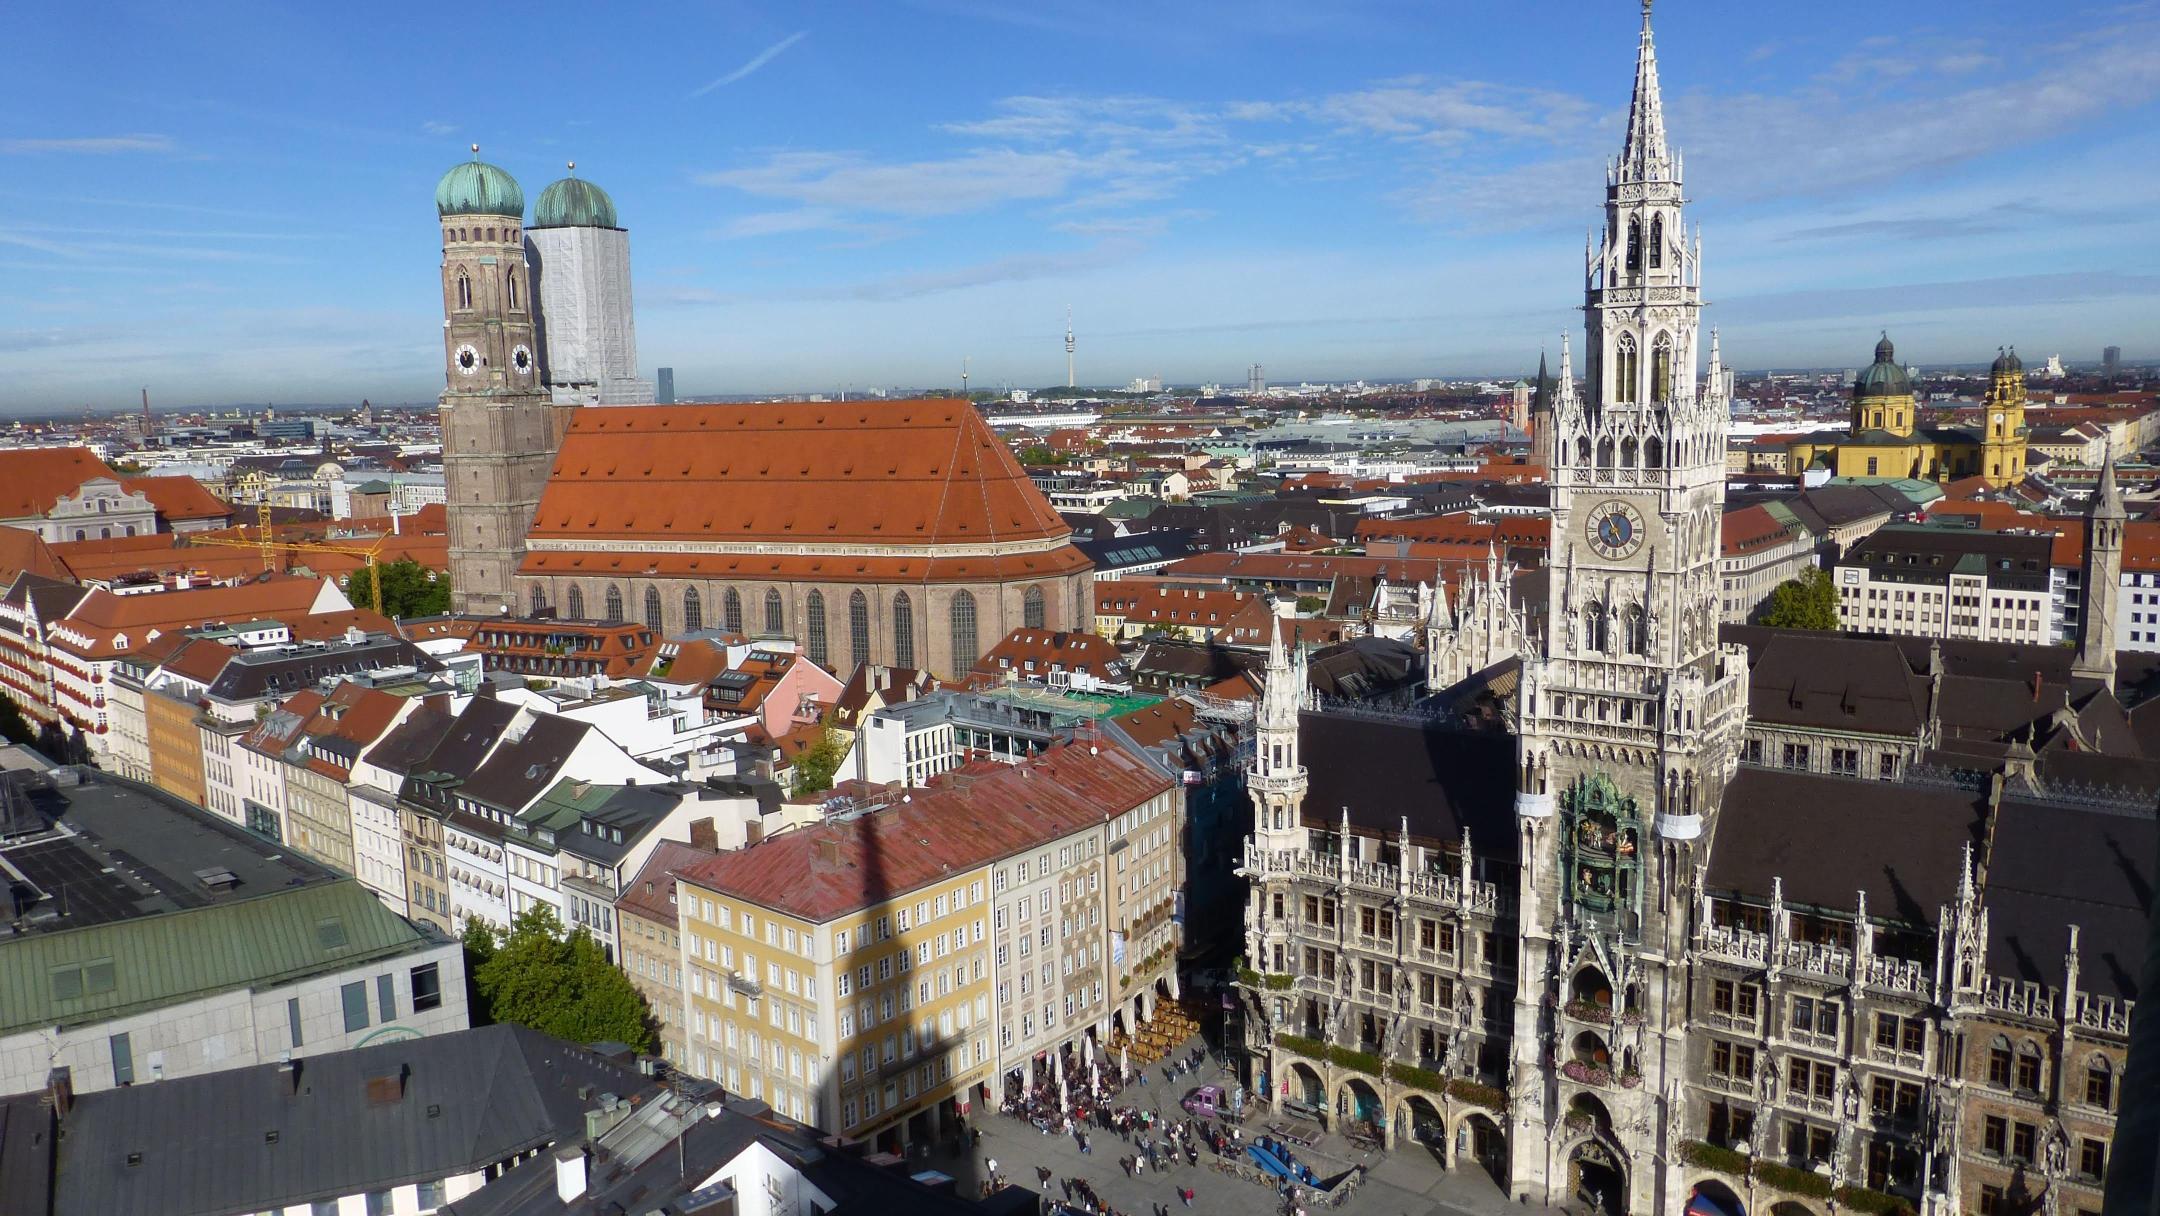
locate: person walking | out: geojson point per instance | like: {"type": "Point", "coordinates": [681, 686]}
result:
{"type": "Point", "coordinates": [1185, 1193]}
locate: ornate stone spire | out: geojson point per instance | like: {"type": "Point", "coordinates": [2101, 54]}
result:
{"type": "Point", "coordinates": [1645, 155]}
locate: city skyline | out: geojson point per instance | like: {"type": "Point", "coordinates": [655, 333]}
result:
{"type": "Point", "coordinates": [813, 208]}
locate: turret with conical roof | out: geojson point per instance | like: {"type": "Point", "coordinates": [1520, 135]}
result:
{"type": "Point", "coordinates": [2101, 578]}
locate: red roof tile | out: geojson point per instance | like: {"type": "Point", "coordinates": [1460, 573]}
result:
{"type": "Point", "coordinates": [179, 497]}
{"type": "Point", "coordinates": [829, 869]}
{"type": "Point", "coordinates": [927, 472]}
{"type": "Point", "coordinates": [33, 479]}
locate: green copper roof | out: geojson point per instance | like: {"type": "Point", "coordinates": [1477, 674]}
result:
{"type": "Point", "coordinates": [574, 202]}
{"type": "Point", "coordinates": [274, 938]}
{"type": "Point", "coordinates": [475, 187]}
{"type": "Point", "coordinates": [1883, 378]}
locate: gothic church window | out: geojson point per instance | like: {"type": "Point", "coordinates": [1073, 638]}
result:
{"type": "Point", "coordinates": [1634, 245]}
{"type": "Point", "coordinates": [964, 652]}
{"type": "Point", "coordinates": [464, 291]}
{"type": "Point", "coordinates": [539, 600]}
{"type": "Point", "coordinates": [903, 630]}
{"type": "Point", "coordinates": [614, 604]}
{"type": "Point", "coordinates": [858, 611]}
{"type": "Point", "coordinates": [731, 611]}
{"type": "Point", "coordinates": [1632, 622]}
{"type": "Point", "coordinates": [652, 608]}
{"type": "Point", "coordinates": [1594, 626]}
{"type": "Point", "coordinates": [1653, 453]}
{"type": "Point", "coordinates": [1031, 608]}
{"type": "Point", "coordinates": [1627, 364]}
{"type": "Point", "coordinates": [577, 603]}
{"type": "Point", "coordinates": [511, 282]}
{"type": "Point", "coordinates": [775, 617]}
{"type": "Point", "coordinates": [693, 610]}
{"type": "Point", "coordinates": [1661, 369]}
{"type": "Point", "coordinates": [814, 626]}
{"type": "Point", "coordinates": [1657, 241]}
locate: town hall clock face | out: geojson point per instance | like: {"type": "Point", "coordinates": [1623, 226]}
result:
{"type": "Point", "coordinates": [1616, 530]}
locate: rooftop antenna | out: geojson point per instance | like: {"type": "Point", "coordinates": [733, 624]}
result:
{"type": "Point", "coordinates": [1069, 382]}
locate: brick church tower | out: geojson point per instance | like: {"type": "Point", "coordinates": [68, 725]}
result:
{"type": "Point", "coordinates": [499, 432]}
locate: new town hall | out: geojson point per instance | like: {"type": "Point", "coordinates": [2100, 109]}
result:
{"type": "Point", "coordinates": [1659, 916]}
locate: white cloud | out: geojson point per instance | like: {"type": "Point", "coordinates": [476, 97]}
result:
{"type": "Point", "coordinates": [95, 145]}
{"type": "Point", "coordinates": [756, 61]}
{"type": "Point", "coordinates": [438, 128]}
{"type": "Point", "coordinates": [969, 182]}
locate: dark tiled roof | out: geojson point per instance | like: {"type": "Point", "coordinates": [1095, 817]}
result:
{"type": "Point", "coordinates": [520, 769]}
{"type": "Point", "coordinates": [494, 1092]}
{"type": "Point", "coordinates": [2053, 866]}
{"type": "Point", "coordinates": [1385, 768]}
{"type": "Point", "coordinates": [1901, 843]}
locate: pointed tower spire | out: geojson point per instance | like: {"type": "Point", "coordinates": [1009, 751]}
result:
{"type": "Point", "coordinates": [2105, 521]}
{"type": "Point", "coordinates": [1645, 154]}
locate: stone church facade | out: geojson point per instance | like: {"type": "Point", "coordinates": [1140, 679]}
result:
{"type": "Point", "coordinates": [1599, 944]}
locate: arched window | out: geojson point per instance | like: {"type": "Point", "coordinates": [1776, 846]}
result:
{"type": "Point", "coordinates": [577, 602]}
{"type": "Point", "coordinates": [1594, 627]}
{"type": "Point", "coordinates": [614, 604]}
{"type": "Point", "coordinates": [129, 531]}
{"type": "Point", "coordinates": [1605, 452]}
{"type": "Point", "coordinates": [775, 616]}
{"type": "Point", "coordinates": [903, 631]}
{"type": "Point", "coordinates": [1627, 452]}
{"type": "Point", "coordinates": [858, 625]}
{"type": "Point", "coordinates": [104, 533]}
{"type": "Point", "coordinates": [511, 282]}
{"type": "Point", "coordinates": [1661, 369]}
{"type": "Point", "coordinates": [539, 600]}
{"type": "Point", "coordinates": [1582, 450]}
{"type": "Point", "coordinates": [814, 626]}
{"type": "Point", "coordinates": [1031, 608]}
{"type": "Point", "coordinates": [1634, 245]}
{"type": "Point", "coordinates": [2100, 1083]}
{"type": "Point", "coordinates": [964, 652]}
{"type": "Point", "coordinates": [1657, 241]}
{"type": "Point", "coordinates": [693, 611]}
{"type": "Point", "coordinates": [464, 290]}
{"type": "Point", "coordinates": [652, 608]}
{"type": "Point", "coordinates": [731, 611]}
{"type": "Point", "coordinates": [1626, 365]}
{"type": "Point", "coordinates": [1637, 643]}
{"type": "Point", "coordinates": [1653, 453]}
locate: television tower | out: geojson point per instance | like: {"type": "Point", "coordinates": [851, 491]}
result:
{"type": "Point", "coordinates": [1069, 381]}
{"type": "Point", "coordinates": [964, 361]}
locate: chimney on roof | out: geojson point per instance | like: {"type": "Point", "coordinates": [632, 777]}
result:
{"type": "Point", "coordinates": [570, 1173]}
{"type": "Point", "coordinates": [704, 834]}
{"type": "Point", "coordinates": [60, 1091]}
{"type": "Point", "coordinates": [828, 850]}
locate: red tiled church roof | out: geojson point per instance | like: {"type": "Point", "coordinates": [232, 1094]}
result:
{"type": "Point", "coordinates": [926, 472]}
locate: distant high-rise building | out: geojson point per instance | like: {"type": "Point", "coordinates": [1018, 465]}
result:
{"type": "Point", "coordinates": [580, 258]}
{"type": "Point", "coordinates": [666, 393]}
{"type": "Point", "coordinates": [1069, 378]}
{"type": "Point", "coordinates": [2111, 360]}
{"type": "Point", "coordinates": [1256, 379]}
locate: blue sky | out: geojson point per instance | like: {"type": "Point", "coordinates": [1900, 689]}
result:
{"type": "Point", "coordinates": [232, 202]}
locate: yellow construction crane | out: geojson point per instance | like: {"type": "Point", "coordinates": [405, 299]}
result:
{"type": "Point", "coordinates": [268, 547]}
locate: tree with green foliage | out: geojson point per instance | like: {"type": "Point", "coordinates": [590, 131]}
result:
{"type": "Point", "coordinates": [1310, 603]}
{"type": "Point", "coordinates": [815, 768]}
{"type": "Point", "coordinates": [409, 588]}
{"type": "Point", "coordinates": [1806, 602]}
{"type": "Point", "coordinates": [1040, 455]}
{"type": "Point", "coordinates": [556, 983]}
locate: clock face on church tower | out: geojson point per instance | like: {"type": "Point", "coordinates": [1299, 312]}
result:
{"type": "Point", "coordinates": [468, 359]}
{"type": "Point", "coordinates": [1615, 530]}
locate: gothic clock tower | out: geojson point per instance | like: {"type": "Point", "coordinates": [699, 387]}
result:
{"type": "Point", "coordinates": [499, 432]}
{"type": "Point", "coordinates": [1630, 713]}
